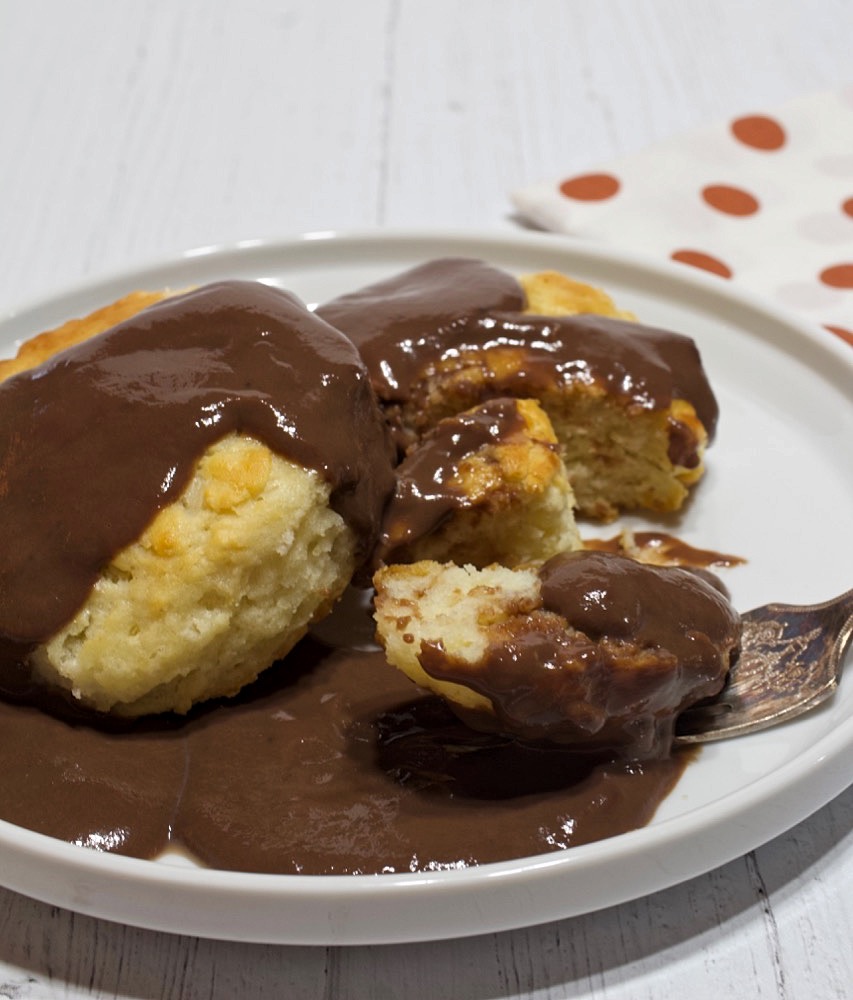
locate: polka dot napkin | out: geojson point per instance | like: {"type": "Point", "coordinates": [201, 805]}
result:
{"type": "Point", "coordinates": [765, 200]}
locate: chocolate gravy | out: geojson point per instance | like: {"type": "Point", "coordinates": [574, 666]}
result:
{"type": "Point", "coordinates": [425, 494]}
{"type": "Point", "coordinates": [400, 323]}
{"type": "Point", "coordinates": [617, 650]}
{"type": "Point", "coordinates": [670, 549]}
{"type": "Point", "coordinates": [76, 433]}
{"type": "Point", "coordinates": [455, 308]}
{"type": "Point", "coordinates": [611, 596]}
{"type": "Point", "coordinates": [331, 763]}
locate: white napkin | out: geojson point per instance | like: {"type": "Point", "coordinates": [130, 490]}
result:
{"type": "Point", "coordinates": [765, 200]}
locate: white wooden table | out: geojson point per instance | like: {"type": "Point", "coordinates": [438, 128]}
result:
{"type": "Point", "coordinates": [134, 129]}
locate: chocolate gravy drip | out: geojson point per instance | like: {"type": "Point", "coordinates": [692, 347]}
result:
{"type": "Point", "coordinates": [426, 494]}
{"type": "Point", "coordinates": [399, 323]}
{"type": "Point", "coordinates": [666, 547]}
{"type": "Point", "coordinates": [681, 449]}
{"type": "Point", "coordinates": [433, 314]}
{"type": "Point", "coordinates": [96, 440]}
{"type": "Point", "coordinates": [645, 367]}
{"type": "Point", "coordinates": [632, 647]}
{"type": "Point", "coordinates": [331, 763]}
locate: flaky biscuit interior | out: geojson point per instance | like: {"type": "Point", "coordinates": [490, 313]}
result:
{"type": "Point", "coordinates": [456, 606]}
{"type": "Point", "coordinates": [221, 584]}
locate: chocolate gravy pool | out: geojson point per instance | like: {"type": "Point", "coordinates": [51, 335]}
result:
{"type": "Point", "coordinates": [331, 763]}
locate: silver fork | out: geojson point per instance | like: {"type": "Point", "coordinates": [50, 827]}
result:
{"type": "Point", "coordinates": [790, 661]}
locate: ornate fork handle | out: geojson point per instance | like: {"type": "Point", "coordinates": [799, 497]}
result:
{"type": "Point", "coordinates": [790, 661]}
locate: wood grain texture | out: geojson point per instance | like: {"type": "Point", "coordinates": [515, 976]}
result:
{"type": "Point", "coordinates": [132, 131]}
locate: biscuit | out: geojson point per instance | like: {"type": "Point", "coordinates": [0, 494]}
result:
{"type": "Point", "coordinates": [551, 293]}
{"type": "Point", "coordinates": [217, 519]}
{"type": "Point", "coordinates": [487, 485]}
{"type": "Point", "coordinates": [631, 405]}
{"type": "Point", "coordinates": [590, 650]}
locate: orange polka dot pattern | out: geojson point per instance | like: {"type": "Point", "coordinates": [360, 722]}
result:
{"type": "Point", "coordinates": [759, 132]}
{"type": "Point", "coordinates": [702, 260]}
{"type": "Point", "coordinates": [840, 276]}
{"type": "Point", "coordinates": [590, 187]}
{"type": "Point", "coordinates": [839, 331]}
{"type": "Point", "coordinates": [729, 199]}
{"type": "Point", "coordinates": [765, 199]}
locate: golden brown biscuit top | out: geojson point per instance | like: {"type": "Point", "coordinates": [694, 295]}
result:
{"type": "Point", "coordinates": [38, 349]}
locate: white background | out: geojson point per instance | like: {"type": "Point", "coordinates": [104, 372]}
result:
{"type": "Point", "coordinates": [135, 129]}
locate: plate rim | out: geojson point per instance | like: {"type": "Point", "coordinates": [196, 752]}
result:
{"type": "Point", "coordinates": [831, 755]}
{"type": "Point", "coordinates": [681, 274]}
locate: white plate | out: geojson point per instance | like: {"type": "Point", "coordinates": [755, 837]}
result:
{"type": "Point", "coordinates": [779, 491]}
